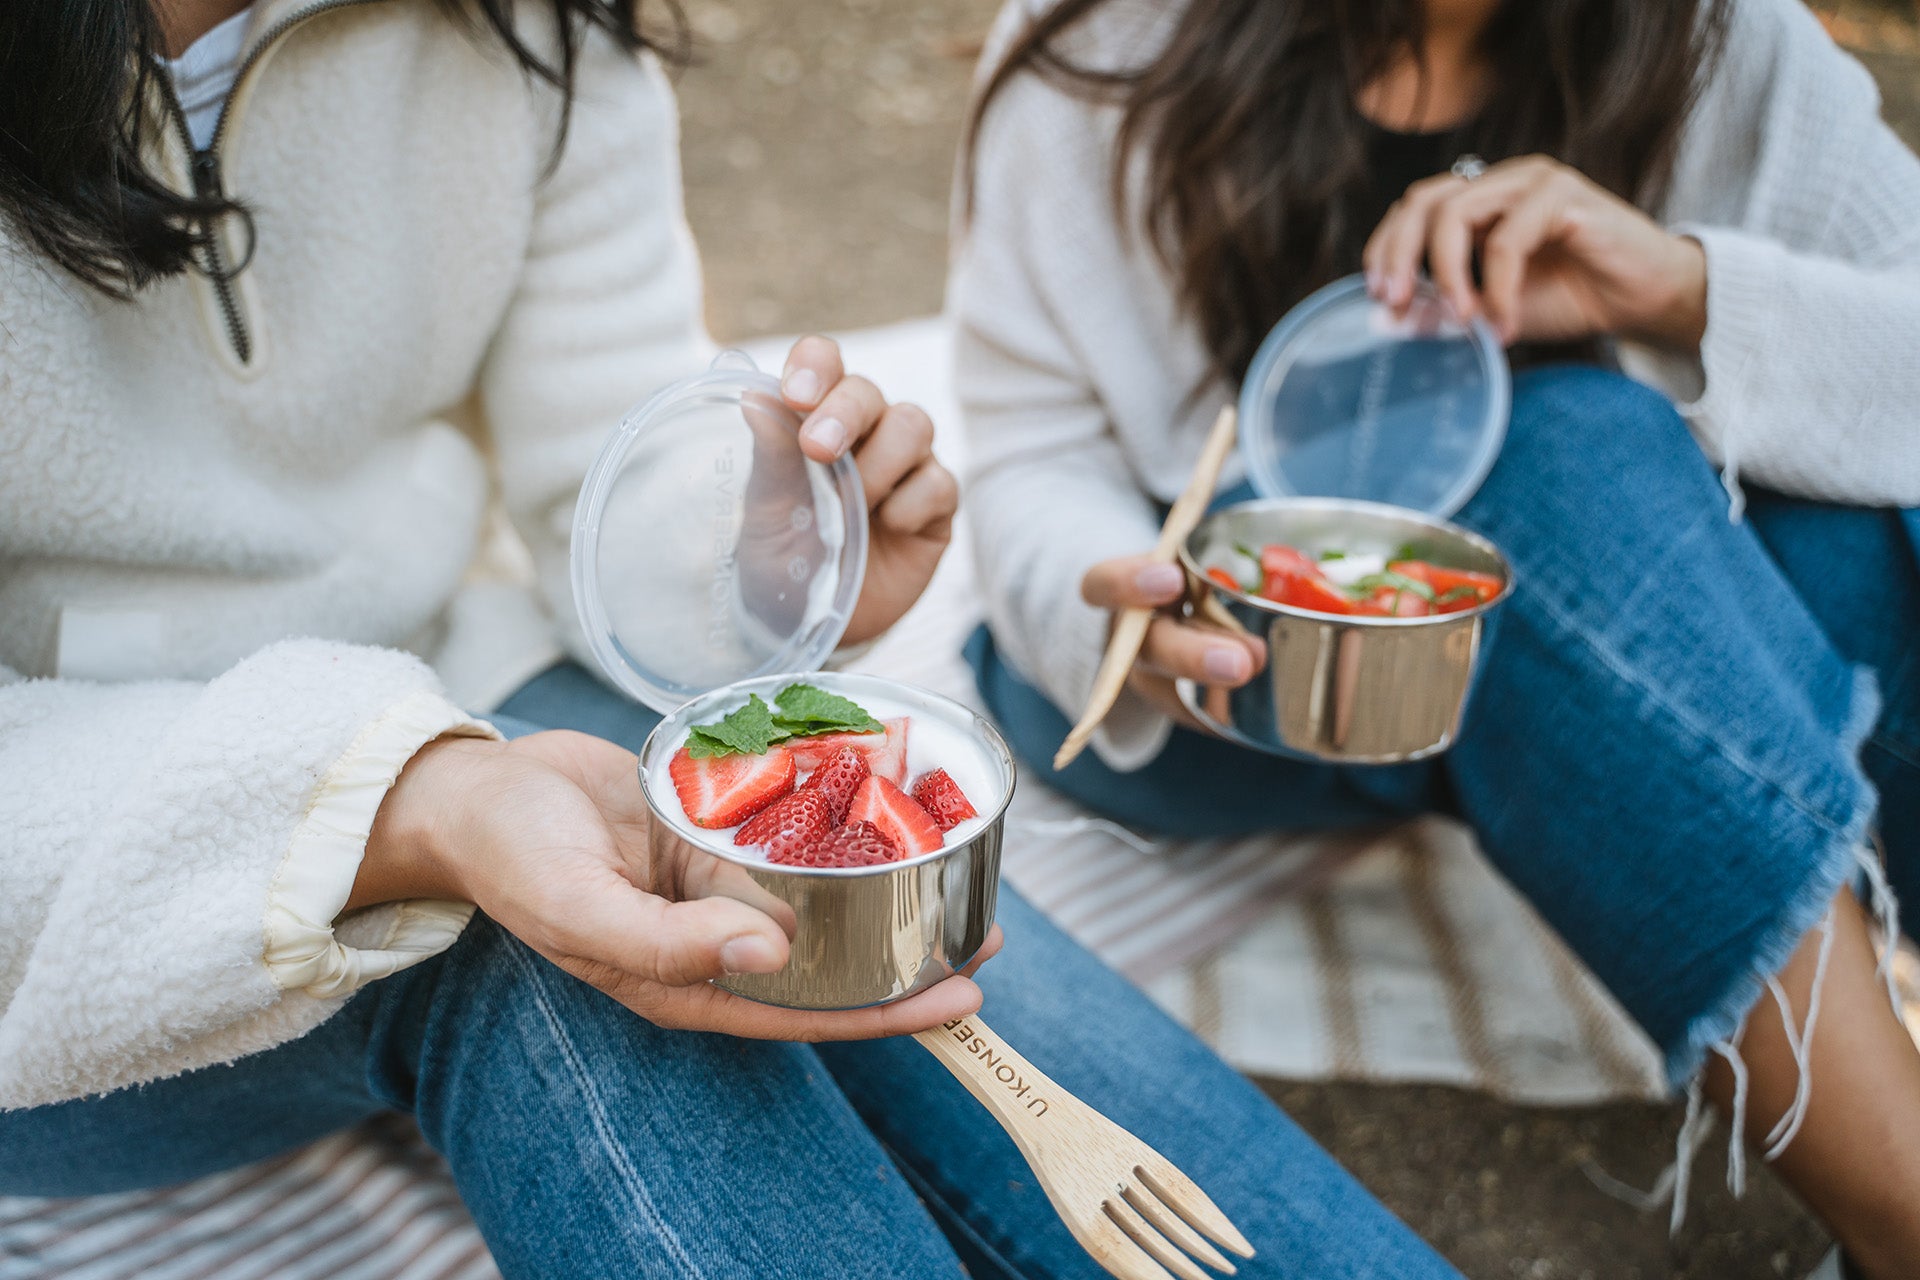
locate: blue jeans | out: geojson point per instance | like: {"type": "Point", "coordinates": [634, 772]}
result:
{"type": "Point", "coordinates": [1683, 731]}
{"type": "Point", "coordinates": [589, 1143]}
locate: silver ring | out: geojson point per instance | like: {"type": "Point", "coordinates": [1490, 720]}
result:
{"type": "Point", "coordinates": [1469, 167]}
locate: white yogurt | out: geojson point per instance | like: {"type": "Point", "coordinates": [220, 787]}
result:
{"type": "Point", "coordinates": [937, 738]}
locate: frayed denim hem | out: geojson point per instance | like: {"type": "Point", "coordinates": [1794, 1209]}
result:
{"type": "Point", "coordinates": [1849, 858]}
{"type": "Point", "coordinates": [1836, 867]}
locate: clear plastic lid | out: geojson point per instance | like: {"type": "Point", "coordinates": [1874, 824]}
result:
{"type": "Point", "coordinates": [707, 548]}
{"type": "Point", "coordinates": [1343, 400]}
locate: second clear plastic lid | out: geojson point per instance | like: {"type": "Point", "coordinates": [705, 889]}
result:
{"type": "Point", "coordinates": [1345, 400]}
{"type": "Point", "coordinates": [707, 548]}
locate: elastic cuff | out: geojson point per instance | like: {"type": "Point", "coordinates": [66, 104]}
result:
{"type": "Point", "coordinates": [316, 877]}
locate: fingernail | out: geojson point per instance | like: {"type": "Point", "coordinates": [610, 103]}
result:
{"type": "Point", "coordinates": [829, 433]}
{"type": "Point", "coordinates": [802, 386]}
{"type": "Point", "coordinates": [1373, 284]}
{"type": "Point", "coordinates": [749, 953]}
{"type": "Point", "coordinates": [1225, 665]}
{"type": "Point", "coordinates": [1159, 580]}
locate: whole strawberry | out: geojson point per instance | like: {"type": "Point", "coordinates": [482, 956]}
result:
{"type": "Point", "coordinates": [941, 796]}
{"type": "Point", "coordinates": [839, 778]}
{"type": "Point", "coordinates": [858, 844]}
{"type": "Point", "coordinates": [789, 825]}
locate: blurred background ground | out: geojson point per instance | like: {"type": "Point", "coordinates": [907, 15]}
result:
{"type": "Point", "coordinates": [819, 149]}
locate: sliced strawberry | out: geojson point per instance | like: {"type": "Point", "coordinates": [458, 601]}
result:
{"type": "Point", "coordinates": [789, 825]}
{"type": "Point", "coordinates": [838, 779]}
{"type": "Point", "coordinates": [858, 844]}
{"type": "Point", "coordinates": [885, 753]}
{"type": "Point", "coordinates": [1277, 558]}
{"type": "Point", "coordinates": [899, 816]}
{"type": "Point", "coordinates": [941, 797]}
{"type": "Point", "coordinates": [724, 791]}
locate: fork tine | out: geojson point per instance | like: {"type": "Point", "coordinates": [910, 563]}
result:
{"type": "Point", "coordinates": [1152, 1241]}
{"type": "Point", "coordinates": [1175, 1228]}
{"type": "Point", "coordinates": [1177, 1191]}
{"type": "Point", "coordinates": [1117, 1251]}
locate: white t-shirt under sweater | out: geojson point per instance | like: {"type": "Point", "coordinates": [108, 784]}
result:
{"type": "Point", "coordinates": [203, 75]}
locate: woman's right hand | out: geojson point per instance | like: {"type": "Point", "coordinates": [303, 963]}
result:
{"type": "Point", "coordinates": [1175, 648]}
{"type": "Point", "coordinates": [548, 835]}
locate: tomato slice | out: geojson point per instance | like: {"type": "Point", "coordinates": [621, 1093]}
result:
{"type": "Point", "coordinates": [1291, 577]}
{"type": "Point", "coordinates": [1276, 558]}
{"type": "Point", "coordinates": [1485, 586]}
{"type": "Point", "coordinates": [1310, 591]}
{"type": "Point", "coordinates": [1393, 602]}
{"type": "Point", "coordinates": [1225, 579]}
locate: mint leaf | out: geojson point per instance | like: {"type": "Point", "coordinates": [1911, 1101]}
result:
{"type": "Point", "coordinates": [1332, 555]}
{"type": "Point", "coordinates": [751, 730]}
{"type": "Point", "coordinates": [1460, 592]}
{"type": "Point", "coordinates": [806, 710]}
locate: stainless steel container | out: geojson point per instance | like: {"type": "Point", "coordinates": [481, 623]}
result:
{"type": "Point", "coordinates": [860, 937]}
{"type": "Point", "coordinates": [1349, 690]}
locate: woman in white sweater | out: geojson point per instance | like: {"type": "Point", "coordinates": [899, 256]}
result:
{"type": "Point", "coordinates": [1704, 246]}
{"type": "Point", "coordinates": [288, 300]}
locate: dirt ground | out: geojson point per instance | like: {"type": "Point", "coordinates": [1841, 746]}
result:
{"type": "Point", "coordinates": [819, 144]}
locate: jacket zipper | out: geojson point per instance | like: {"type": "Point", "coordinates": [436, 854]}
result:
{"type": "Point", "coordinates": [209, 182]}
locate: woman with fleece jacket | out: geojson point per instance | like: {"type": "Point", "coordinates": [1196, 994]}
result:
{"type": "Point", "coordinates": [1689, 218]}
{"type": "Point", "coordinates": [288, 300]}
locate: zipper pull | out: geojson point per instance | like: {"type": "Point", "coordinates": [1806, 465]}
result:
{"type": "Point", "coordinates": [206, 175]}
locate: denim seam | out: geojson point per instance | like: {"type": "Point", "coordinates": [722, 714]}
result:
{"type": "Point", "coordinates": [924, 1186]}
{"type": "Point", "coordinates": [636, 1188]}
{"type": "Point", "coordinates": [1830, 872]}
{"type": "Point", "coordinates": [1626, 671]}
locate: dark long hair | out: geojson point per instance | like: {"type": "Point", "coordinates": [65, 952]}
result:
{"type": "Point", "coordinates": [1255, 153]}
{"type": "Point", "coordinates": [77, 86]}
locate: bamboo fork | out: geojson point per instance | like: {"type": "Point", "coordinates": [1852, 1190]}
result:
{"type": "Point", "coordinates": [1128, 1206]}
{"type": "Point", "coordinates": [1130, 625]}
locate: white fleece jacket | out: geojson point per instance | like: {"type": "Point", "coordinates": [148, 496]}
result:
{"type": "Point", "coordinates": [1074, 363]}
{"type": "Point", "coordinates": [438, 325]}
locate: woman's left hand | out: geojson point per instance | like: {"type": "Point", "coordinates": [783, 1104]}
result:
{"type": "Point", "coordinates": [1561, 258]}
{"type": "Point", "coordinates": [911, 498]}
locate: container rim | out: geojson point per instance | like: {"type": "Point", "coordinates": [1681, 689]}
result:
{"type": "Point", "coordinates": [1360, 506]}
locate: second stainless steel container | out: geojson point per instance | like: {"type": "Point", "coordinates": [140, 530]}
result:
{"type": "Point", "coordinates": [1347, 690]}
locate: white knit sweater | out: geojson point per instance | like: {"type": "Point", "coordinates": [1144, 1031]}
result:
{"type": "Point", "coordinates": [438, 325]}
{"type": "Point", "coordinates": [1074, 364]}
